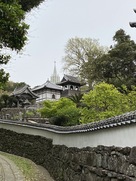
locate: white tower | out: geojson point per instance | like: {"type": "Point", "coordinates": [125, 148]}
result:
{"type": "Point", "coordinates": [55, 77]}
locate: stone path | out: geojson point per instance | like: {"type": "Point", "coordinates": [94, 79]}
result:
{"type": "Point", "coordinates": [10, 172]}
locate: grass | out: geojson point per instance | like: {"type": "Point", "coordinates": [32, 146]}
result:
{"type": "Point", "coordinates": [27, 167]}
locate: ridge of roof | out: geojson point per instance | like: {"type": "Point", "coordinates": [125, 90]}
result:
{"type": "Point", "coordinates": [47, 84]}
{"type": "Point", "coordinates": [21, 90]}
{"type": "Point", "coordinates": [71, 78]}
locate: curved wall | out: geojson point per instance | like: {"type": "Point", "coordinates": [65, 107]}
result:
{"type": "Point", "coordinates": [121, 136]}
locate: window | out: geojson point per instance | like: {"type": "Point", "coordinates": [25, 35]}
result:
{"type": "Point", "coordinates": [71, 87]}
{"type": "Point", "coordinates": [77, 88]}
{"type": "Point", "coordinates": [53, 96]}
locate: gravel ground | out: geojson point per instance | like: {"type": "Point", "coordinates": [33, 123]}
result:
{"type": "Point", "coordinates": [9, 171]}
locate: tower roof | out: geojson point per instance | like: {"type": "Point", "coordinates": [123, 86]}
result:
{"type": "Point", "coordinates": [67, 79]}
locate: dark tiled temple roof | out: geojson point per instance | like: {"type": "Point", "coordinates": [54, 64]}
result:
{"type": "Point", "coordinates": [47, 84]}
{"type": "Point", "coordinates": [24, 90]}
{"type": "Point", "coordinates": [70, 79]}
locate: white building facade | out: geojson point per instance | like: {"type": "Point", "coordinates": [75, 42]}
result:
{"type": "Point", "coordinates": [47, 91]}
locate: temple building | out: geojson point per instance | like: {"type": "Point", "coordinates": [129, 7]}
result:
{"type": "Point", "coordinates": [24, 96]}
{"type": "Point", "coordinates": [70, 85]}
{"type": "Point", "coordinates": [52, 89]}
{"type": "Point", "coordinates": [47, 91]}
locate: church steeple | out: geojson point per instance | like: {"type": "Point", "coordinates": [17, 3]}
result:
{"type": "Point", "coordinates": [55, 77]}
{"type": "Point", "coordinates": [55, 71]}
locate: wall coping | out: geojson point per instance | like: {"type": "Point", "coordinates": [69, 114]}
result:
{"type": "Point", "coordinates": [124, 119]}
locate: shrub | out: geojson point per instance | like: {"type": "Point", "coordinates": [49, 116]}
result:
{"type": "Point", "coordinates": [62, 112]}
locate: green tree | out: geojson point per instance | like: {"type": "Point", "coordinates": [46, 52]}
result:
{"type": "Point", "coordinates": [7, 101]}
{"type": "Point", "coordinates": [131, 99]}
{"type": "Point", "coordinates": [13, 29]}
{"type": "Point", "coordinates": [49, 109]}
{"type": "Point", "coordinates": [102, 102]}
{"type": "Point", "coordinates": [10, 86]}
{"type": "Point", "coordinates": [76, 98]}
{"type": "Point", "coordinates": [27, 5]}
{"type": "Point", "coordinates": [62, 112]}
{"type": "Point", "coordinates": [118, 66]}
{"type": "Point", "coordinates": [78, 52]}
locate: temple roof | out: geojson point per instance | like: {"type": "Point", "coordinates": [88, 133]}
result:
{"type": "Point", "coordinates": [25, 90]}
{"type": "Point", "coordinates": [48, 85]}
{"type": "Point", "coordinates": [70, 79]}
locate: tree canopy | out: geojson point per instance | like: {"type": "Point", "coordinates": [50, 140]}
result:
{"type": "Point", "coordinates": [106, 101]}
{"type": "Point", "coordinates": [118, 66]}
{"type": "Point", "coordinates": [94, 63]}
{"type": "Point", "coordinates": [13, 29]}
{"type": "Point", "coordinates": [103, 102]}
{"type": "Point", "coordinates": [78, 52]}
{"type": "Point", "coordinates": [26, 5]}
{"type": "Point", "coordinates": [62, 112]}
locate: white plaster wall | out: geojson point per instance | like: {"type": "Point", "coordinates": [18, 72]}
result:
{"type": "Point", "coordinates": [121, 136]}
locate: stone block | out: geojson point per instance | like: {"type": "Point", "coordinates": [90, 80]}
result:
{"type": "Point", "coordinates": [91, 159]}
{"type": "Point", "coordinates": [132, 157]}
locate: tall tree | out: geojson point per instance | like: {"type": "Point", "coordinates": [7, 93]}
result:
{"type": "Point", "coordinates": [27, 5]}
{"type": "Point", "coordinates": [118, 66]}
{"type": "Point", "coordinates": [77, 53]}
{"type": "Point", "coordinates": [13, 29]}
{"type": "Point", "coordinates": [105, 101]}
{"type": "Point", "coordinates": [10, 86]}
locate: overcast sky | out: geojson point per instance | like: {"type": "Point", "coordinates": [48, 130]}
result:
{"type": "Point", "coordinates": [55, 22]}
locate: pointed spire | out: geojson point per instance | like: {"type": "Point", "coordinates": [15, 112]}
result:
{"type": "Point", "coordinates": [55, 71]}
{"type": "Point", "coordinates": [55, 77]}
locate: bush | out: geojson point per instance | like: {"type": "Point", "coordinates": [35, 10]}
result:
{"type": "Point", "coordinates": [62, 112]}
{"type": "Point", "coordinates": [106, 101]}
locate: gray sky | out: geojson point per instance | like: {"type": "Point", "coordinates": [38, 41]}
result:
{"type": "Point", "coordinates": [55, 22]}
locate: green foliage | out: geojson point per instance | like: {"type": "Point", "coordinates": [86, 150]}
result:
{"type": "Point", "coordinates": [105, 101]}
{"type": "Point", "coordinates": [48, 110]}
{"type": "Point", "coordinates": [7, 101]}
{"type": "Point", "coordinates": [3, 78]}
{"type": "Point", "coordinates": [78, 53]}
{"type": "Point", "coordinates": [31, 113]}
{"type": "Point", "coordinates": [12, 32]}
{"type": "Point", "coordinates": [10, 86]}
{"type": "Point", "coordinates": [70, 113]}
{"type": "Point", "coordinates": [13, 29]}
{"type": "Point", "coordinates": [131, 99]}
{"type": "Point", "coordinates": [118, 66]}
{"type": "Point", "coordinates": [27, 5]}
{"type": "Point", "coordinates": [76, 98]}
{"type": "Point", "coordinates": [62, 112]}
{"type": "Point", "coordinates": [94, 63]}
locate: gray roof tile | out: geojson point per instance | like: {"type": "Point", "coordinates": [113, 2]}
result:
{"type": "Point", "coordinates": [47, 84]}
